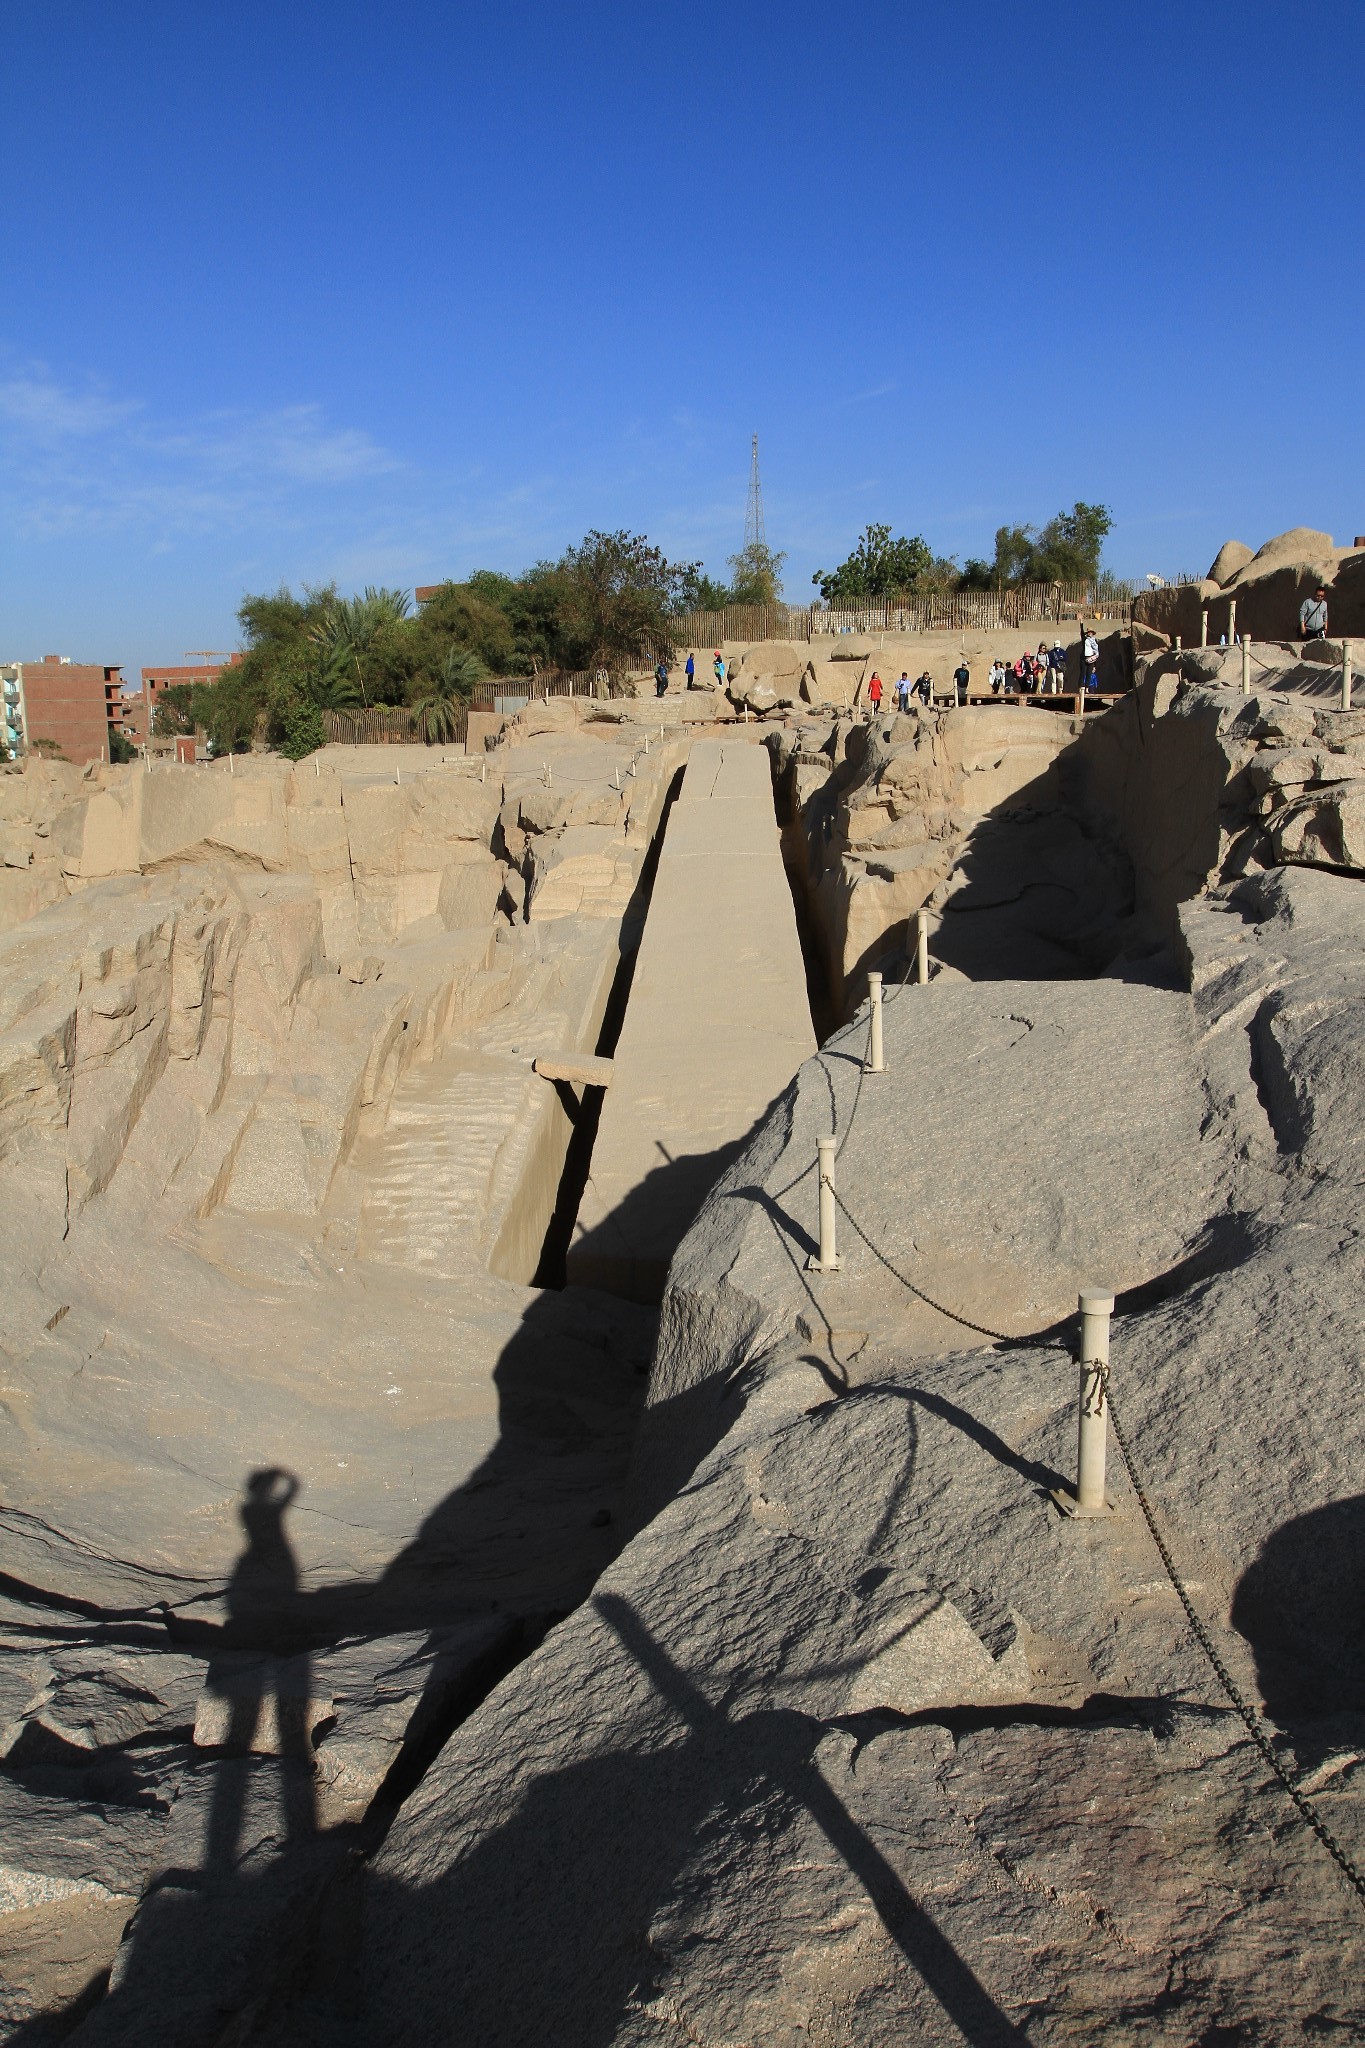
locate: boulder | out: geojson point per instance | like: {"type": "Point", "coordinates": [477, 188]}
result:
{"type": "Point", "coordinates": [1297, 544]}
{"type": "Point", "coordinates": [1232, 556]}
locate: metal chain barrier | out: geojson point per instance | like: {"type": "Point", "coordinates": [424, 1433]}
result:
{"type": "Point", "coordinates": [981, 1329]}
{"type": "Point", "coordinates": [1245, 1712]}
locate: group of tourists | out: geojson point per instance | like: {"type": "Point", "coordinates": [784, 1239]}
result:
{"type": "Point", "coordinates": [718, 670]}
{"type": "Point", "coordinates": [1043, 672]}
{"type": "Point", "coordinates": [1031, 673]}
{"type": "Point", "coordinates": [902, 691]}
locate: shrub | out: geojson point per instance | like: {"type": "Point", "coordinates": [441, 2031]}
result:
{"type": "Point", "coordinates": [303, 733]}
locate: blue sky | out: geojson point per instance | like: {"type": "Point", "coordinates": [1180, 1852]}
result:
{"type": "Point", "coordinates": [387, 294]}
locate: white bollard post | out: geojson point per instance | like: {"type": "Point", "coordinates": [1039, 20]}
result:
{"type": "Point", "coordinates": [1246, 666]}
{"type": "Point", "coordinates": [616, 776]}
{"type": "Point", "coordinates": [1232, 622]}
{"type": "Point", "coordinates": [397, 776]}
{"type": "Point", "coordinates": [317, 772]}
{"type": "Point", "coordinates": [1204, 627]}
{"type": "Point", "coordinates": [1177, 643]}
{"type": "Point", "coordinates": [231, 769]}
{"type": "Point", "coordinates": [921, 946]}
{"type": "Point", "coordinates": [875, 1062]}
{"type": "Point", "coordinates": [1345, 675]}
{"type": "Point", "coordinates": [1092, 1435]}
{"type": "Point", "coordinates": [828, 1261]}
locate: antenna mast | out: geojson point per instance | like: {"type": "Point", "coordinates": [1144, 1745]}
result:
{"type": "Point", "coordinates": [754, 535]}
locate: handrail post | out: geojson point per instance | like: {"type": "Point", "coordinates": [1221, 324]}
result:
{"type": "Point", "coordinates": [826, 1150]}
{"type": "Point", "coordinates": [1246, 666]}
{"type": "Point", "coordinates": [875, 1062]}
{"type": "Point", "coordinates": [1092, 1431]}
{"type": "Point", "coordinates": [1345, 675]}
{"type": "Point", "coordinates": [921, 945]}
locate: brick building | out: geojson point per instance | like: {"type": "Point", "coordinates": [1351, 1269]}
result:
{"type": "Point", "coordinates": [155, 680]}
{"type": "Point", "coordinates": [71, 703]}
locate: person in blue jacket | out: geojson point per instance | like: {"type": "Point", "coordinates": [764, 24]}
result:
{"type": "Point", "coordinates": [689, 669]}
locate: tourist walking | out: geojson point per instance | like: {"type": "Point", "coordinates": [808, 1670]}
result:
{"type": "Point", "coordinates": [661, 679]}
{"type": "Point", "coordinates": [925, 687]}
{"type": "Point", "coordinates": [996, 678]}
{"type": "Point", "coordinates": [719, 667]}
{"type": "Point", "coordinates": [962, 677]}
{"type": "Point", "coordinates": [903, 691]}
{"type": "Point", "coordinates": [1313, 615]}
{"type": "Point", "coordinates": [690, 669]}
{"type": "Point", "coordinates": [1056, 667]}
{"type": "Point", "coordinates": [874, 693]}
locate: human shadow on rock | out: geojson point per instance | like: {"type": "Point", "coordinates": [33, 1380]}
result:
{"type": "Point", "coordinates": [630, 1250]}
{"type": "Point", "coordinates": [548, 1928]}
{"type": "Point", "coordinates": [1301, 1606]}
{"type": "Point", "coordinates": [241, 1905]}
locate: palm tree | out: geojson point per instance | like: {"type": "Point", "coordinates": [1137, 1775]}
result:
{"type": "Point", "coordinates": [346, 632]}
{"type": "Point", "coordinates": [334, 686]}
{"type": "Point", "coordinates": [440, 698]}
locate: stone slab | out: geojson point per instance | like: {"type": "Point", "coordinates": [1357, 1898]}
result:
{"type": "Point", "coordinates": [718, 1021]}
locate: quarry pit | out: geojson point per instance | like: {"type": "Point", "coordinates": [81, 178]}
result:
{"type": "Point", "coordinates": [468, 1577]}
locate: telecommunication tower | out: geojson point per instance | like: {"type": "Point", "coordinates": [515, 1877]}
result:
{"type": "Point", "coordinates": [754, 535]}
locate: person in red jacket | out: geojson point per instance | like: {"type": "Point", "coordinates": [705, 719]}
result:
{"type": "Point", "coordinates": [874, 693]}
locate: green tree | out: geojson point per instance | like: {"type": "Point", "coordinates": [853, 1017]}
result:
{"type": "Point", "coordinates": [484, 616]}
{"type": "Point", "coordinates": [438, 699]}
{"type": "Point", "coordinates": [1066, 550]}
{"type": "Point", "coordinates": [121, 747]}
{"type": "Point", "coordinates": [878, 568]}
{"type": "Point", "coordinates": [356, 634]}
{"type": "Point", "coordinates": [174, 710]}
{"type": "Point", "coordinates": [757, 575]}
{"type": "Point", "coordinates": [698, 592]}
{"type": "Point", "coordinates": [616, 594]}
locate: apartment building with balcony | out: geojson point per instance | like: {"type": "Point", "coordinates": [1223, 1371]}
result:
{"type": "Point", "coordinates": [69, 704]}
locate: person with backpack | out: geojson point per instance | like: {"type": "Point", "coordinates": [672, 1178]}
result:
{"type": "Point", "coordinates": [661, 678]}
{"type": "Point", "coordinates": [925, 687]}
{"type": "Point", "coordinates": [719, 666]}
{"type": "Point", "coordinates": [1090, 661]}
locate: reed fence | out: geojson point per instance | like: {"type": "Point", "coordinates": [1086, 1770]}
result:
{"type": "Point", "coordinates": [391, 725]}
{"type": "Point", "coordinates": [937, 611]}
